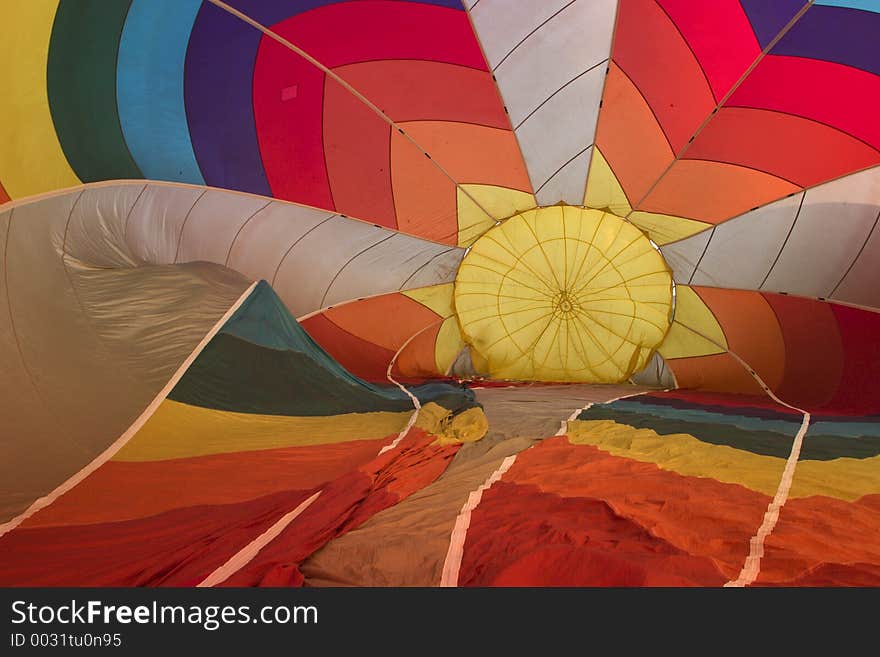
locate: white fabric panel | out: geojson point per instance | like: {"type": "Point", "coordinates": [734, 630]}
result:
{"type": "Point", "coordinates": [656, 374]}
{"type": "Point", "coordinates": [861, 284]}
{"type": "Point", "coordinates": [154, 227]}
{"type": "Point", "coordinates": [568, 183]}
{"type": "Point", "coordinates": [96, 231]}
{"type": "Point", "coordinates": [683, 256]}
{"type": "Point", "coordinates": [213, 224]}
{"type": "Point", "coordinates": [502, 24]}
{"type": "Point", "coordinates": [266, 238]}
{"type": "Point", "coordinates": [313, 258]}
{"type": "Point", "coordinates": [573, 41]}
{"type": "Point", "coordinates": [441, 268]}
{"type": "Point", "coordinates": [310, 266]}
{"type": "Point", "coordinates": [386, 266]}
{"type": "Point", "coordinates": [549, 61]}
{"type": "Point", "coordinates": [832, 227]}
{"type": "Point", "coordinates": [743, 249]}
{"type": "Point", "coordinates": [560, 129]}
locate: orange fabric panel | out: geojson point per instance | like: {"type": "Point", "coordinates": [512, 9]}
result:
{"type": "Point", "coordinates": [426, 201]}
{"type": "Point", "coordinates": [416, 90]}
{"type": "Point", "coordinates": [473, 154]}
{"type": "Point", "coordinates": [418, 359]}
{"type": "Point", "coordinates": [3, 195]}
{"type": "Point", "coordinates": [781, 144]}
{"type": "Point", "coordinates": [822, 541]}
{"type": "Point", "coordinates": [814, 353]}
{"type": "Point", "coordinates": [701, 515]}
{"type": "Point", "coordinates": [719, 373]}
{"type": "Point", "coordinates": [388, 320]}
{"type": "Point", "coordinates": [629, 137]}
{"type": "Point", "coordinates": [655, 56]}
{"type": "Point", "coordinates": [713, 192]}
{"type": "Point", "coordinates": [121, 490]}
{"type": "Point", "coordinates": [751, 328]}
{"type": "Point", "coordinates": [523, 536]}
{"type": "Point", "coordinates": [361, 358]}
{"type": "Point", "coordinates": [357, 151]}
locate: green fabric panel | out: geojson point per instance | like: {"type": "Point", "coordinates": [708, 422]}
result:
{"type": "Point", "coordinates": [825, 448]}
{"type": "Point", "coordinates": [767, 443]}
{"type": "Point", "coordinates": [816, 447]}
{"type": "Point", "coordinates": [262, 361]}
{"type": "Point", "coordinates": [234, 375]}
{"type": "Point", "coordinates": [81, 81]}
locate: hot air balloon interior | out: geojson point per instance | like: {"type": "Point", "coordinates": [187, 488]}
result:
{"type": "Point", "coordinates": [440, 293]}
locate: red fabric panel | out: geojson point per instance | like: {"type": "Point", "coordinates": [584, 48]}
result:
{"type": "Point", "coordinates": [428, 91]}
{"type": "Point", "coordinates": [651, 51]}
{"type": "Point", "coordinates": [520, 536]}
{"type": "Point", "coordinates": [122, 490]}
{"type": "Point", "coordinates": [848, 100]}
{"type": "Point", "coordinates": [177, 548]}
{"type": "Point", "coordinates": [3, 195]}
{"type": "Point", "coordinates": [721, 37]}
{"type": "Point", "coordinates": [337, 34]}
{"type": "Point", "coordinates": [786, 146]}
{"type": "Point", "coordinates": [344, 505]}
{"type": "Point", "coordinates": [859, 391]}
{"type": "Point", "coordinates": [357, 150]}
{"type": "Point", "coordinates": [361, 358]}
{"type": "Point", "coordinates": [813, 352]}
{"type": "Point", "coordinates": [288, 96]}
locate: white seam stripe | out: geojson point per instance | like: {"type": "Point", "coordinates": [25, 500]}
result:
{"type": "Point", "coordinates": [454, 555]}
{"type": "Point", "coordinates": [245, 555]}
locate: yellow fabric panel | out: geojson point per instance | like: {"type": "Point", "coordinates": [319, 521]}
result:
{"type": "Point", "coordinates": [664, 228]}
{"type": "Point", "coordinates": [603, 189]}
{"type": "Point", "coordinates": [31, 159]}
{"type": "Point", "coordinates": [439, 298]}
{"type": "Point", "coordinates": [690, 311]}
{"type": "Point", "coordinates": [681, 453]}
{"type": "Point", "coordinates": [434, 297]}
{"type": "Point", "coordinates": [179, 430]}
{"type": "Point", "coordinates": [467, 427]}
{"type": "Point", "coordinates": [449, 344]}
{"type": "Point", "coordinates": [564, 293]}
{"type": "Point", "coordinates": [499, 202]}
{"type": "Point", "coordinates": [843, 478]}
{"type": "Point", "coordinates": [604, 192]}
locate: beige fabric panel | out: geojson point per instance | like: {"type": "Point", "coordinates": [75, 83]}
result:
{"type": "Point", "coordinates": [86, 340]}
{"type": "Point", "coordinates": [380, 552]}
